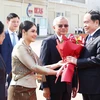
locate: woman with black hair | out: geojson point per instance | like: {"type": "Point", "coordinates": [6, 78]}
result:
{"type": "Point", "coordinates": [25, 63]}
{"type": "Point", "coordinates": [2, 66]}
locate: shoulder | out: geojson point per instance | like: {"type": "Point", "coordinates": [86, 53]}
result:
{"type": "Point", "coordinates": [50, 38]}
{"type": "Point", "coordinates": [6, 35]}
{"type": "Point", "coordinates": [19, 45]}
{"type": "Point", "coordinates": [19, 48]}
{"type": "Point", "coordinates": [97, 33]}
{"type": "Point", "coordinates": [6, 32]}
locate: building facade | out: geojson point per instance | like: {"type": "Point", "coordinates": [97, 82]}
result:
{"type": "Point", "coordinates": [42, 12]}
{"type": "Point", "coordinates": [93, 4]}
{"type": "Point", "coordinates": [73, 10]}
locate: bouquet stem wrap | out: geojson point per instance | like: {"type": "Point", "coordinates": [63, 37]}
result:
{"type": "Point", "coordinates": [68, 73]}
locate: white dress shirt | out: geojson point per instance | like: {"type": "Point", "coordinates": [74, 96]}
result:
{"type": "Point", "coordinates": [11, 36]}
{"type": "Point", "coordinates": [59, 37]}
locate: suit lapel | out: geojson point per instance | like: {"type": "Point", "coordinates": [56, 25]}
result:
{"type": "Point", "coordinates": [55, 36]}
{"type": "Point", "coordinates": [8, 39]}
{"type": "Point", "coordinates": [94, 38]}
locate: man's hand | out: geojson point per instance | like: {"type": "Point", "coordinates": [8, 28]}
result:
{"type": "Point", "coordinates": [74, 92]}
{"type": "Point", "coordinates": [71, 59]}
{"type": "Point", "coordinates": [46, 93]}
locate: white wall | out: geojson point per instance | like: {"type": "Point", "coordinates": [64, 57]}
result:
{"type": "Point", "coordinates": [93, 4]}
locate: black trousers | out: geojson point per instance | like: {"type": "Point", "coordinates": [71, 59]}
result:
{"type": "Point", "coordinates": [91, 96]}
{"type": "Point", "coordinates": [61, 96]}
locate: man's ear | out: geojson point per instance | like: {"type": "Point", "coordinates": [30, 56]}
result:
{"type": "Point", "coordinates": [7, 21]}
{"type": "Point", "coordinates": [53, 27]}
{"type": "Point", "coordinates": [97, 22]}
{"type": "Point", "coordinates": [23, 31]}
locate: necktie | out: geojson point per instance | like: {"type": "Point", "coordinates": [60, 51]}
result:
{"type": "Point", "coordinates": [13, 39]}
{"type": "Point", "coordinates": [89, 38]}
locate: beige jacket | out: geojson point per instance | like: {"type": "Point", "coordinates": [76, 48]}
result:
{"type": "Point", "coordinates": [24, 61]}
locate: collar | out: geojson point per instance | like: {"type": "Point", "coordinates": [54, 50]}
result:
{"type": "Point", "coordinates": [59, 37]}
{"type": "Point", "coordinates": [94, 31]}
{"type": "Point", "coordinates": [10, 32]}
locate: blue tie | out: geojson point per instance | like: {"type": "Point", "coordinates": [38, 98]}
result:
{"type": "Point", "coordinates": [89, 38]}
{"type": "Point", "coordinates": [13, 40]}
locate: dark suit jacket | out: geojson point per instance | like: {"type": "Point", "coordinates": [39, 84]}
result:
{"type": "Point", "coordinates": [89, 66]}
{"type": "Point", "coordinates": [2, 78]}
{"type": "Point", "coordinates": [6, 50]}
{"type": "Point", "coordinates": [50, 55]}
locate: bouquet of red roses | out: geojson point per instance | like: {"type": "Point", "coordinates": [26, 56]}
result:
{"type": "Point", "coordinates": [69, 46]}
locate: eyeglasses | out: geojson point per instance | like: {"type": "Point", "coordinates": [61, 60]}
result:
{"type": "Point", "coordinates": [60, 25]}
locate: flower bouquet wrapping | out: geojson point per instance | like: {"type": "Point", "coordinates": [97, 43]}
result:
{"type": "Point", "coordinates": [70, 46]}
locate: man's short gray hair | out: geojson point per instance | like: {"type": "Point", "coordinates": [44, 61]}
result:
{"type": "Point", "coordinates": [57, 19]}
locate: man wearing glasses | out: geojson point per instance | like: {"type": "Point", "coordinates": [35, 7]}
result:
{"type": "Point", "coordinates": [49, 55]}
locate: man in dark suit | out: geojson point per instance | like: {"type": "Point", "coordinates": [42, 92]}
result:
{"type": "Point", "coordinates": [8, 43]}
{"type": "Point", "coordinates": [89, 62]}
{"type": "Point", "coordinates": [50, 55]}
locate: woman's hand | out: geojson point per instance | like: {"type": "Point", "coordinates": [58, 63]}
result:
{"type": "Point", "coordinates": [59, 72]}
{"type": "Point", "coordinates": [62, 63]}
